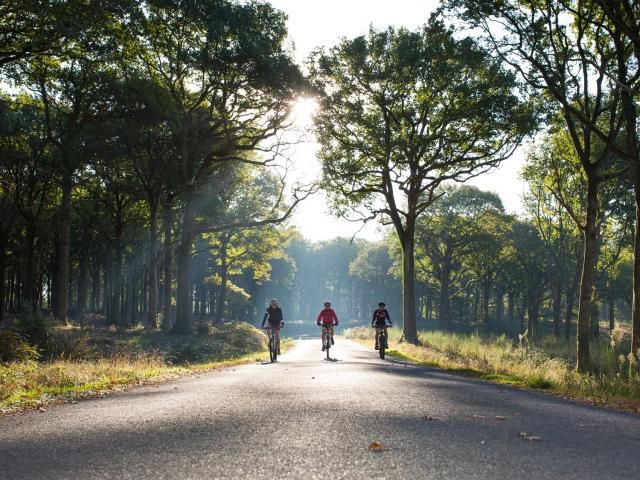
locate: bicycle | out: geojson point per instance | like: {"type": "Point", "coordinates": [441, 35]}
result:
{"type": "Point", "coordinates": [273, 344]}
{"type": "Point", "coordinates": [382, 341]}
{"type": "Point", "coordinates": [326, 339]}
{"type": "Point", "coordinates": [383, 337]}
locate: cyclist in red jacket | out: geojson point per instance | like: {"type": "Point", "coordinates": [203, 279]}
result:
{"type": "Point", "coordinates": [327, 319]}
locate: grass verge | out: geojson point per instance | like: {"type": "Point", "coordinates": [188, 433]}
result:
{"type": "Point", "coordinates": [547, 366]}
{"type": "Point", "coordinates": [89, 363]}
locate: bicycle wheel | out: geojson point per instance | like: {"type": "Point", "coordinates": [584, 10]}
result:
{"type": "Point", "coordinates": [382, 345]}
{"type": "Point", "coordinates": [327, 341]}
{"type": "Point", "coordinates": [273, 353]}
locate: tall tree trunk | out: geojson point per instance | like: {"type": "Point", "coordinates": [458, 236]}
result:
{"type": "Point", "coordinates": [184, 294]}
{"type": "Point", "coordinates": [81, 303]}
{"type": "Point", "coordinates": [499, 309]}
{"type": "Point", "coordinates": [223, 285]}
{"type": "Point", "coordinates": [635, 302]}
{"type": "Point", "coordinates": [152, 316]}
{"type": "Point", "coordinates": [168, 263]}
{"type": "Point", "coordinates": [29, 280]}
{"type": "Point", "coordinates": [612, 314]}
{"type": "Point", "coordinates": [510, 307]}
{"type": "Point", "coordinates": [588, 277]}
{"type": "Point", "coordinates": [64, 247]}
{"type": "Point", "coordinates": [409, 288]}
{"type": "Point", "coordinates": [486, 287]}
{"type": "Point", "coordinates": [557, 305]}
{"type": "Point", "coordinates": [3, 267]}
{"type": "Point", "coordinates": [571, 296]}
{"type": "Point", "coordinates": [95, 285]}
{"type": "Point", "coordinates": [443, 308]}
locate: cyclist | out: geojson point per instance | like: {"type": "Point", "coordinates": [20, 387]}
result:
{"type": "Point", "coordinates": [380, 320]}
{"type": "Point", "coordinates": [273, 315]}
{"type": "Point", "coordinates": [327, 319]}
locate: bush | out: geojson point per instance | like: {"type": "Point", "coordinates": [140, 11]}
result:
{"type": "Point", "coordinates": [14, 348]}
{"type": "Point", "coordinates": [35, 327]}
{"type": "Point", "coordinates": [69, 346]}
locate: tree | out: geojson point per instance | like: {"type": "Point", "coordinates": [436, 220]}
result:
{"type": "Point", "coordinates": [232, 82]}
{"type": "Point", "coordinates": [449, 233]}
{"type": "Point", "coordinates": [401, 113]}
{"type": "Point", "coordinates": [563, 53]}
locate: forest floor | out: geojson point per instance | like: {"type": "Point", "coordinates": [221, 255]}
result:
{"type": "Point", "coordinates": [75, 363]}
{"type": "Point", "coordinates": [547, 366]}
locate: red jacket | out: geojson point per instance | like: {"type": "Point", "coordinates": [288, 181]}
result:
{"type": "Point", "coordinates": [327, 315]}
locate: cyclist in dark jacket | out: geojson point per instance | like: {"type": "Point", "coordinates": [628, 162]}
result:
{"type": "Point", "coordinates": [274, 320]}
{"type": "Point", "coordinates": [380, 320]}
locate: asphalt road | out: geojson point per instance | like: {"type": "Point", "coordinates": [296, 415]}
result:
{"type": "Point", "coordinates": [306, 417]}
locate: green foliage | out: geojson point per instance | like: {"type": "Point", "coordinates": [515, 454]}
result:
{"type": "Point", "coordinates": [14, 348]}
{"type": "Point", "coordinates": [35, 327]}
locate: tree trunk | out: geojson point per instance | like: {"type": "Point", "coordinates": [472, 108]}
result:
{"type": "Point", "coordinates": [64, 247]}
{"type": "Point", "coordinates": [81, 302]}
{"type": "Point", "coordinates": [3, 266]}
{"type": "Point", "coordinates": [168, 263]}
{"type": "Point", "coordinates": [408, 289]}
{"type": "Point", "coordinates": [612, 313]}
{"type": "Point", "coordinates": [443, 308]}
{"type": "Point", "coordinates": [510, 307]}
{"type": "Point", "coordinates": [95, 286]}
{"type": "Point", "coordinates": [183, 296]}
{"type": "Point", "coordinates": [499, 309]}
{"type": "Point", "coordinates": [571, 296]}
{"type": "Point", "coordinates": [486, 287]}
{"type": "Point", "coordinates": [29, 280]}
{"type": "Point", "coordinates": [223, 285]}
{"type": "Point", "coordinates": [152, 315]}
{"type": "Point", "coordinates": [635, 302]}
{"type": "Point", "coordinates": [588, 277]}
{"type": "Point", "coordinates": [557, 305]}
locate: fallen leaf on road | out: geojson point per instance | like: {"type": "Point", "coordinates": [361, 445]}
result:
{"type": "Point", "coordinates": [500, 417]}
{"type": "Point", "coordinates": [378, 447]}
{"type": "Point", "coordinates": [529, 438]}
{"type": "Point", "coordinates": [42, 410]}
{"type": "Point", "coordinates": [478, 416]}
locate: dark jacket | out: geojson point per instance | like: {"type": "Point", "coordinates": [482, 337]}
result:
{"type": "Point", "coordinates": [380, 319]}
{"type": "Point", "coordinates": [273, 315]}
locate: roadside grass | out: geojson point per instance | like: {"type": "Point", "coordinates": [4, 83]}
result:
{"type": "Point", "coordinates": [80, 363]}
{"type": "Point", "coordinates": [548, 365]}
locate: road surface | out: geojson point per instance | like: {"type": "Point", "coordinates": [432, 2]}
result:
{"type": "Point", "coordinates": [306, 417]}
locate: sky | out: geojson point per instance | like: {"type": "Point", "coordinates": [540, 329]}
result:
{"type": "Point", "coordinates": [322, 23]}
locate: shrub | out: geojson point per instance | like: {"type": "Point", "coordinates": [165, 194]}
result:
{"type": "Point", "coordinates": [35, 327]}
{"type": "Point", "coordinates": [14, 348]}
{"type": "Point", "coordinates": [70, 346]}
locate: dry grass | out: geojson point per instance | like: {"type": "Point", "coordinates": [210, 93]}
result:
{"type": "Point", "coordinates": [117, 360]}
{"type": "Point", "coordinates": [548, 365]}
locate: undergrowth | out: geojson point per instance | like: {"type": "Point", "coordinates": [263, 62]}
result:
{"type": "Point", "coordinates": [546, 365]}
{"type": "Point", "coordinates": [74, 363]}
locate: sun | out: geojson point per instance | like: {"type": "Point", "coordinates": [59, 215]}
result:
{"type": "Point", "coordinates": [304, 108]}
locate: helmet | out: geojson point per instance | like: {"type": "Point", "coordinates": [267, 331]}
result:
{"type": "Point", "coordinates": [274, 300]}
{"type": "Point", "coordinates": [382, 304]}
{"type": "Point", "coordinates": [327, 303]}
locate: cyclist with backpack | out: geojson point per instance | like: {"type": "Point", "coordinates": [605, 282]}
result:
{"type": "Point", "coordinates": [328, 319]}
{"type": "Point", "coordinates": [380, 320]}
{"type": "Point", "coordinates": [275, 320]}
